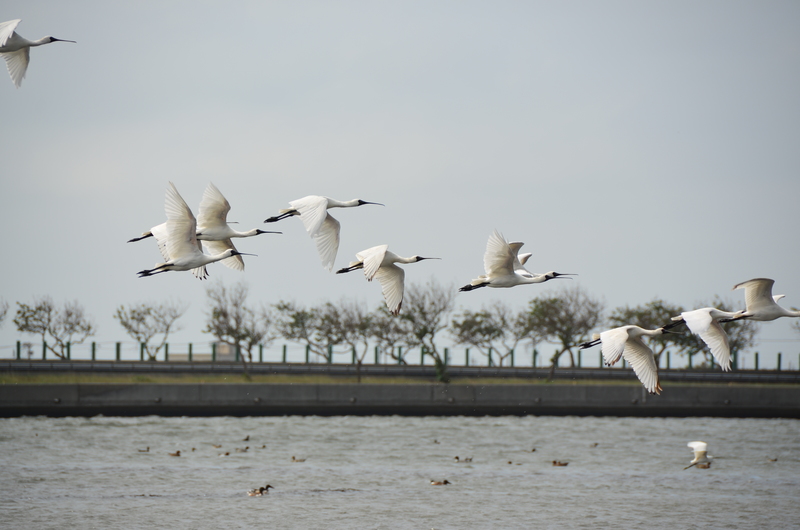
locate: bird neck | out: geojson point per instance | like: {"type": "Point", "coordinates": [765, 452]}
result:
{"type": "Point", "coordinates": [333, 203]}
{"type": "Point", "coordinates": [39, 42]}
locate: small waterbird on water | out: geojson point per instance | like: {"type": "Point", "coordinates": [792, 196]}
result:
{"type": "Point", "coordinates": [320, 225]}
{"type": "Point", "coordinates": [176, 453]}
{"type": "Point", "coordinates": [16, 50]}
{"type": "Point", "coordinates": [298, 460]}
{"type": "Point", "coordinates": [258, 492]}
{"type": "Point", "coordinates": [145, 450]}
{"type": "Point", "coordinates": [559, 463]}
{"type": "Point", "coordinates": [444, 482]}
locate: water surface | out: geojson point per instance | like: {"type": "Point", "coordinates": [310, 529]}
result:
{"type": "Point", "coordinates": [374, 472]}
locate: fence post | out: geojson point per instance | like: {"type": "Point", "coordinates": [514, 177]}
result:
{"type": "Point", "coordinates": [190, 353]}
{"type": "Point", "coordinates": [376, 355]}
{"type": "Point", "coordinates": [354, 355]}
{"type": "Point", "coordinates": [44, 350]}
{"type": "Point", "coordinates": [399, 355]}
{"type": "Point", "coordinates": [734, 361]}
{"type": "Point", "coordinates": [446, 356]}
{"type": "Point", "coordinates": [466, 357]}
{"type": "Point", "coordinates": [69, 351]}
{"type": "Point", "coordinates": [166, 353]}
{"type": "Point", "coordinates": [94, 351]}
{"type": "Point", "coordinates": [579, 357]}
{"type": "Point", "coordinates": [19, 350]}
{"type": "Point", "coordinates": [668, 360]}
{"type": "Point", "coordinates": [512, 357]}
{"type": "Point", "coordinates": [308, 349]}
{"type": "Point", "coordinates": [141, 351]}
{"type": "Point", "coordinates": [261, 353]}
{"type": "Point", "coordinates": [779, 360]}
{"type": "Point", "coordinates": [756, 361]}
{"type": "Point", "coordinates": [490, 356]}
{"type": "Point", "coordinates": [535, 355]}
{"type": "Point", "coordinates": [237, 353]}
{"type": "Point", "coordinates": [690, 361]}
{"type": "Point", "coordinates": [213, 352]}
{"type": "Point", "coordinates": [330, 353]}
{"type": "Point", "coordinates": [600, 358]}
{"type": "Point", "coordinates": [283, 357]}
{"type": "Point", "coordinates": [118, 352]}
{"type": "Point", "coordinates": [422, 355]}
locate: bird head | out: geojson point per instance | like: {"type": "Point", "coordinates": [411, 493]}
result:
{"type": "Point", "coordinates": [552, 275]}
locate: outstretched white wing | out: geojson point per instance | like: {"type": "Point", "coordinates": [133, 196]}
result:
{"type": "Point", "coordinates": [499, 258]}
{"type": "Point", "coordinates": [327, 240]}
{"type": "Point", "coordinates": [214, 208]}
{"type": "Point", "coordinates": [757, 293]}
{"type": "Point", "coordinates": [313, 210]}
{"type": "Point", "coordinates": [701, 324]}
{"type": "Point", "coordinates": [181, 226]}
{"type": "Point", "coordinates": [392, 280]}
{"type": "Point", "coordinates": [372, 259]}
{"type": "Point", "coordinates": [17, 64]}
{"type": "Point", "coordinates": [613, 344]}
{"type": "Point", "coordinates": [7, 29]}
{"type": "Point", "coordinates": [641, 359]}
{"type": "Point", "coordinates": [218, 247]}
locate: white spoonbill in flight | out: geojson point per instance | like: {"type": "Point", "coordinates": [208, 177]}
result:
{"type": "Point", "coordinates": [212, 229]}
{"type": "Point", "coordinates": [761, 305]}
{"type": "Point", "coordinates": [378, 262]}
{"type": "Point", "coordinates": [626, 341]}
{"type": "Point", "coordinates": [16, 50]}
{"type": "Point", "coordinates": [701, 460]}
{"type": "Point", "coordinates": [321, 226]}
{"type": "Point", "coordinates": [504, 267]}
{"type": "Point", "coordinates": [705, 323]}
{"type": "Point", "coordinates": [183, 251]}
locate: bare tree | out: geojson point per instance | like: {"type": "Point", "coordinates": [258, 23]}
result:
{"type": "Point", "coordinates": [495, 330]}
{"type": "Point", "coordinates": [427, 309]}
{"type": "Point", "coordinates": [565, 319]}
{"type": "Point", "coordinates": [353, 327]}
{"type": "Point", "coordinates": [232, 322]}
{"type": "Point", "coordinates": [65, 326]}
{"type": "Point", "coordinates": [145, 320]}
{"type": "Point", "coordinates": [306, 326]}
{"type": "Point", "coordinates": [652, 315]}
{"type": "Point", "coordinates": [392, 333]}
{"type": "Point", "coordinates": [3, 311]}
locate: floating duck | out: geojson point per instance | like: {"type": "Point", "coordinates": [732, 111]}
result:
{"type": "Point", "coordinates": [258, 492]}
{"type": "Point", "coordinates": [145, 450]}
{"type": "Point", "coordinates": [559, 463]}
{"type": "Point", "coordinates": [176, 453]}
{"type": "Point", "coordinates": [298, 460]}
{"type": "Point", "coordinates": [444, 482]}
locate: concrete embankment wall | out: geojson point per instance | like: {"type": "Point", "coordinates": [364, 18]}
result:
{"type": "Point", "coordinates": [208, 399]}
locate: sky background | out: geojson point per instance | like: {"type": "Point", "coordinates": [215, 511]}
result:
{"type": "Point", "coordinates": [651, 147]}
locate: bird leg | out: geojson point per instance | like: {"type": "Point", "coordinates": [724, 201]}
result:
{"type": "Point", "coordinates": [470, 287]}
{"type": "Point", "coordinates": [589, 344]}
{"type": "Point", "coordinates": [351, 268]}
{"type": "Point", "coordinates": [143, 236]}
{"type": "Point", "coordinates": [283, 215]}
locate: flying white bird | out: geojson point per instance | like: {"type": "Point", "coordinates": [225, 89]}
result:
{"type": "Point", "coordinates": [504, 267]}
{"type": "Point", "coordinates": [321, 226]}
{"type": "Point", "coordinates": [183, 251]}
{"type": "Point", "coordinates": [705, 323]}
{"type": "Point", "coordinates": [700, 455]}
{"type": "Point", "coordinates": [626, 341]}
{"type": "Point", "coordinates": [761, 305]}
{"type": "Point", "coordinates": [16, 50]}
{"type": "Point", "coordinates": [212, 229]}
{"type": "Point", "coordinates": [378, 262]}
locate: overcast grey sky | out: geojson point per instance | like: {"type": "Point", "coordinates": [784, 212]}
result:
{"type": "Point", "coordinates": [651, 147]}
